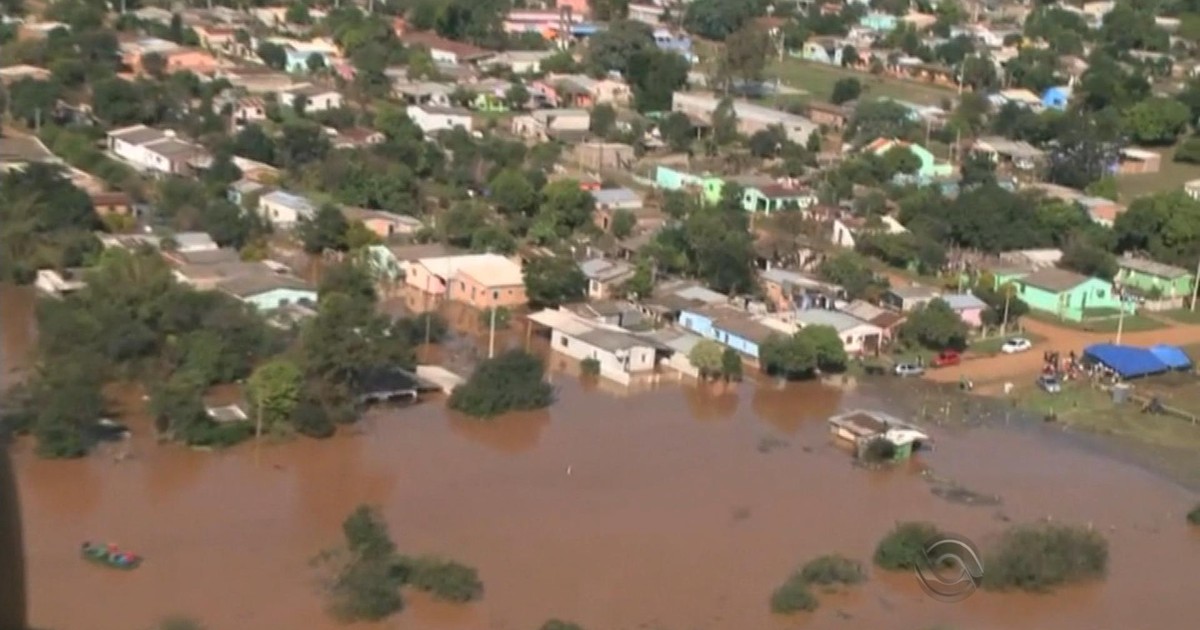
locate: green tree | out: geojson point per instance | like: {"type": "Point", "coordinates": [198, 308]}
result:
{"type": "Point", "coordinates": [845, 90]}
{"type": "Point", "coordinates": [744, 56]}
{"type": "Point", "coordinates": [900, 159]}
{"type": "Point", "coordinates": [903, 548]}
{"type": "Point", "coordinates": [154, 64]}
{"type": "Point", "coordinates": [623, 223]}
{"type": "Point", "coordinates": [793, 596]}
{"type": "Point", "coordinates": [615, 47]}
{"type": "Point", "coordinates": [325, 231]}
{"type": "Point", "coordinates": [30, 99]}
{"type": "Point", "coordinates": [513, 194]}
{"type": "Point", "coordinates": [731, 365]}
{"type": "Point", "coordinates": [274, 389]}
{"type": "Point", "coordinates": [655, 75]}
{"type": "Point", "coordinates": [678, 132]}
{"type": "Point", "coordinates": [517, 96]}
{"type": "Point", "coordinates": [512, 381]}
{"type": "Point", "coordinates": [725, 123]}
{"type": "Point", "coordinates": [273, 55]}
{"type": "Point", "coordinates": [935, 325]}
{"type": "Point", "coordinates": [550, 280]}
{"type": "Point", "coordinates": [717, 19]}
{"type": "Point", "coordinates": [606, 11]}
{"type": "Point", "coordinates": [706, 356]}
{"type": "Point", "coordinates": [603, 121]}
{"type": "Point", "coordinates": [302, 142]}
{"type": "Point", "coordinates": [1042, 557]}
{"type": "Point", "coordinates": [315, 62]}
{"type": "Point", "coordinates": [1157, 120]}
{"type": "Point", "coordinates": [362, 584]}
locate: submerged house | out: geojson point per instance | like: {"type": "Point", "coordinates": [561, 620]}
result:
{"type": "Point", "coordinates": [861, 427]}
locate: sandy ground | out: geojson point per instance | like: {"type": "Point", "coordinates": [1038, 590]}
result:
{"type": "Point", "coordinates": [1024, 365]}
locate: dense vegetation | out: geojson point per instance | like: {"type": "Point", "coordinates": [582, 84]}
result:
{"type": "Point", "coordinates": [44, 222]}
{"type": "Point", "coordinates": [364, 576]}
{"type": "Point", "coordinates": [829, 571]}
{"type": "Point", "coordinates": [512, 381]}
{"type": "Point", "coordinates": [1040, 558]}
{"type": "Point", "coordinates": [810, 350]}
{"type": "Point", "coordinates": [903, 548]}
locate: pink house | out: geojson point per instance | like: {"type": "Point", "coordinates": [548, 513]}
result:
{"type": "Point", "coordinates": [578, 7]}
{"type": "Point", "coordinates": [577, 91]}
{"type": "Point", "coordinates": [968, 307]}
{"type": "Point", "coordinates": [191, 60]}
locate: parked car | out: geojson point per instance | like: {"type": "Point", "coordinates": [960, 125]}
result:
{"type": "Point", "coordinates": [946, 358]}
{"type": "Point", "coordinates": [1015, 345]}
{"type": "Point", "coordinates": [1050, 383]}
{"type": "Point", "coordinates": [908, 369]}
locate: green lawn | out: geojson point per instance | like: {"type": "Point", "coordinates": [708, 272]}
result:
{"type": "Point", "coordinates": [1132, 323]}
{"type": "Point", "coordinates": [1183, 315]}
{"type": "Point", "coordinates": [1171, 176]}
{"type": "Point", "coordinates": [818, 79]}
{"type": "Point", "coordinates": [1081, 406]}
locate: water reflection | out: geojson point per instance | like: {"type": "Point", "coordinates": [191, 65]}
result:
{"type": "Point", "coordinates": [714, 400]}
{"type": "Point", "coordinates": [12, 553]}
{"type": "Point", "coordinates": [512, 434]}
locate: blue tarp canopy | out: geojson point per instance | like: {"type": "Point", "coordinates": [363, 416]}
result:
{"type": "Point", "coordinates": [1173, 356]}
{"type": "Point", "coordinates": [1126, 361]}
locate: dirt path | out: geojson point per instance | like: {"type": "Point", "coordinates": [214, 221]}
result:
{"type": "Point", "coordinates": [1027, 364]}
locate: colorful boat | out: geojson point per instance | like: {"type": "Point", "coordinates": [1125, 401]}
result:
{"type": "Point", "coordinates": [110, 556]}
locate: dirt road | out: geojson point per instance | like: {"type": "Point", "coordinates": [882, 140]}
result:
{"type": "Point", "coordinates": [1027, 364]}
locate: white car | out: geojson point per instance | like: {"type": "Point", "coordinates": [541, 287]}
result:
{"type": "Point", "coordinates": [1015, 345]}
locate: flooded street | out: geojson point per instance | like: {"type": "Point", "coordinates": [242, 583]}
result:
{"type": "Point", "coordinates": [656, 511]}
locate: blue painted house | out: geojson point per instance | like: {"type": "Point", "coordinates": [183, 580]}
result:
{"type": "Point", "coordinates": [270, 291]}
{"type": "Point", "coordinates": [1057, 97]}
{"type": "Point", "coordinates": [878, 22]}
{"type": "Point", "coordinates": [727, 326]}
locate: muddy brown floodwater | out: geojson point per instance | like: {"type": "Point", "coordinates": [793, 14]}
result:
{"type": "Point", "coordinates": [657, 511]}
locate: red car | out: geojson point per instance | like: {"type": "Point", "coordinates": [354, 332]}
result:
{"type": "Point", "coordinates": [946, 358]}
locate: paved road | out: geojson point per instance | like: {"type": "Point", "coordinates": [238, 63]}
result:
{"type": "Point", "coordinates": [1027, 364]}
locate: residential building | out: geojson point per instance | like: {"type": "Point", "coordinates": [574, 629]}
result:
{"type": "Point", "coordinates": [728, 326]}
{"type": "Point", "coordinates": [622, 355]}
{"type": "Point", "coordinates": [823, 50]}
{"type": "Point", "coordinates": [602, 156]}
{"type": "Point", "coordinates": [788, 291]}
{"type": "Point", "coordinates": [243, 190]}
{"type": "Point", "coordinates": [112, 203]}
{"type": "Point", "coordinates": [910, 298]}
{"type": "Point", "coordinates": [133, 51]}
{"type": "Point", "coordinates": [930, 168]}
{"type": "Point", "coordinates": [1009, 154]}
{"type": "Point", "coordinates": [678, 43]}
{"type": "Point", "coordinates": [285, 210]}
{"type": "Point", "coordinates": [670, 299]}
{"type": "Point", "coordinates": [432, 119]}
{"type": "Point", "coordinates": [16, 152]}
{"type": "Point", "coordinates": [357, 138]}
{"type": "Point", "coordinates": [395, 262]}
{"type": "Point", "coordinates": [616, 199]}
{"type": "Point", "coordinates": [55, 284]}
{"type": "Point", "coordinates": [248, 110]}
{"type": "Point", "coordinates": [268, 291]}
{"type": "Point", "coordinates": [1155, 279]}
{"type": "Point", "coordinates": [384, 224]}
{"type": "Point", "coordinates": [254, 79]}
{"type": "Point", "coordinates": [445, 50]}
{"type": "Point", "coordinates": [546, 124]}
{"type": "Point", "coordinates": [750, 117]}
{"type": "Point", "coordinates": [197, 61]}
{"type": "Point", "coordinates": [521, 62]}
{"type": "Point", "coordinates": [708, 187]}
{"type": "Point", "coordinates": [1139, 161]}
{"type": "Point", "coordinates": [420, 92]}
{"type": "Point", "coordinates": [478, 280]}
{"type": "Point", "coordinates": [150, 149]}
{"type": "Point", "coordinates": [651, 14]}
{"type": "Point", "coordinates": [316, 98]}
{"type": "Point", "coordinates": [1069, 295]}
{"type": "Point", "coordinates": [14, 73]}
{"type": "Point", "coordinates": [834, 117]}
{"type": "Point", "coordinates": [762, 195]}
{"type": "Point", "coordinates": [969, 308]}
{"type": "Point", "coordinates": [888, 321]}
{"type": "Point", "coordinates": [846, 228]}
{"type": "Point", "coordinates": [581, 91]}
{"type": "Point", "coordinates": [878, 22]}
{"type": "Point", "coordinates": [1192, 189]}
{"type": "Point", "coordinates": [605, 276]}
{"type": "Point", "coordinates": [858, 337]}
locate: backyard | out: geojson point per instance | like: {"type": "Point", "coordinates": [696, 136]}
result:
{"type": "Point", "coordinates": [1171, 176]}
{"type": "Point", "coordinates": [1108, 324]}
{"type": "Point", "coordinates": [818, 79]}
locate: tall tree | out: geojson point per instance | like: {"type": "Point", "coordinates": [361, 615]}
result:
{"type": "Point", "coordinates": [744, 57]}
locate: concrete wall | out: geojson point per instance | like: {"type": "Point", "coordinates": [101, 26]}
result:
{"type": "Point", "coordinates": [641, 359]}
{"type": "Point", "coordinates": [276, 298]}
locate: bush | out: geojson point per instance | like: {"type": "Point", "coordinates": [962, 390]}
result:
{"type": "Point", "coordinates": [833, 569]}
{"type": "Point", "coordinates": [503, 318]}
{"type": "Point", "coordinates": [218, 435]}
{"type": "Point", "coordinates": [1193, 517]}
{"type": "Point", "coordinates": [310, 418]}
{"type": "Point", "coordinates": [903, 549]}
{"type": "Point", "coordinates": [731, 365]}
{"type": "Point", "coordinates": [510, 382]}
{"type": "Point", "coordinates": [793, 597]}
{"type": "Point", "coordinates": [879, 450]}
{"type": "Point", "coordinates": [1038, 558]}
{"type": "Point", "coordinates": [555, 624]}
{"type": "Point", "coordinates": [590, 367]}
{"type": "Point", "coordinates": [444, 579]}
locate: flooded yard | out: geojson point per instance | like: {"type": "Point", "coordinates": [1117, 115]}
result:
{"type": "Point", "coordinates": [680, 508]}
{"type": "Point", "coordinates": [658, 511]}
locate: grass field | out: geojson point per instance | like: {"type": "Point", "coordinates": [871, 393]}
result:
{"type": "Point", "coordinates": [1132, 323]}
{"type": "Point", "coordinates": [818, 79]}
{"type": "Point", "coordinates": [1171, 176]}
{"type": "Point", "coordinates": [1084, 407]}
{"type": "Point", "coordinates": [1183, 315]}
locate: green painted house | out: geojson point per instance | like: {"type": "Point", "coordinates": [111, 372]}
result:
{"type": "Point", "coordinates": [931, 167]}
{"type": "Point", "coordinates": [1068, 295]}
{"type": "Point", "coordinates": [759, 194]}
{"type": "Point", "coordinates": [767, 198]}
{"type": "Point", "coordinates": [485, 102]}
{"type": "Point", "coordinates": [708, 186]}
{"type": "Point", "coordinates": [1155, 279]}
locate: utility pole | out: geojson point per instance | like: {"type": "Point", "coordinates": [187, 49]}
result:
{"type": "Point", "coordinates": [1120, 316]}
{"type": "Point", "coordinates": [1004, 321]}
{"type": "Point", "coordinates": [1196, 286]}
{"type": "Point", "coordinates": [492, 335]}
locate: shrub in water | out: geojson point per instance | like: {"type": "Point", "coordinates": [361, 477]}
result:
{"type": "Point", "coordinates": [310, 418]}
{"type": "Point", "coordinates": [1193, 517]}
{"type": "Point", "coordinates": [510, 382]}
{"type": "Point", "coordinates": [903, 549]}
{"type": "Point", "coordinates": [793, 597]}
{"type": "Point", "coordinates": [833, 569]}
{"type": "Point", "coordinates": [444, 579]}
{"type": "Point", "coordinates": [1039, 558]}
{"type": "Point", "coordinates": [590, 367]}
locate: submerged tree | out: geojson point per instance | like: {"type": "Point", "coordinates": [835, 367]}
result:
{"type": "Point", "coordinates": [512, 381]}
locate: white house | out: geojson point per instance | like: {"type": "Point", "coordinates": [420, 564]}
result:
{"type": "Point", "coordinates": [150, 149]}
{"type": "Point", "coordinates": [844, 230]}
{"type": "Point", "coordinates": [621, 354]}
{"type": "Point", "coordinates": [751, 118]}
{"type": "Point", "coordinates": [857, 336]}
{"type": "Point", "coordinates": [284, 210]}
{"type": "Point", "coordinates": [433, 119]}
{"type": "Point", "coordinates": [520, 61]}
{"type": "Point", "coordinates": [316, 99]}
{"type": "Point", "coordinates": [545, 123]}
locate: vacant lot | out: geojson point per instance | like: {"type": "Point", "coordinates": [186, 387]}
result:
{"type": "Point", "coordinates": [818, 80]}
{"type": "Point", "coordinates": [1081, 406]}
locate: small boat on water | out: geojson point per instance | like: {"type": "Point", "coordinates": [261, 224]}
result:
{"type": "Point", "coordinates": [109, 556]}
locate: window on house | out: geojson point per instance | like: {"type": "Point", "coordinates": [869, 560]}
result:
{"type": "Point", "coordinates": [563, 341]}
{"type": "Point", "coordinates": [1100, 293]}
{"type": "Point", "coordinates": [495, 295]}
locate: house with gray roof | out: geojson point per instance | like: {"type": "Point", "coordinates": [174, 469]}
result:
{"type": "Point", "coordinates": [285, 210]}
{"type": "Point", "coordinates": [622, 355]}
{"type": "Point", "coordinates": [156, 151]}
{"type": "Point", "coordinates": [604, 276]}
{"type": "Point", "coordinates": [858, 337]}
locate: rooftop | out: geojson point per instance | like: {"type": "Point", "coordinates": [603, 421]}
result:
{"type": "Point", "coordinates": [840, 322]}
{"type": "Point", "coordinates": [490, 270]}
{"type": "Point", "coordinates": [24, 149]}
{"type": "Point", "coordinates": [963, 301]}
{"type": "Point", "coordinates": [614, 196]}
{"type": "Point", "coordinates": [251, 284]}
{"type": "Point", "coordinates": [602, 270]}
{"type": "Point", "coordinates": [1054, 280]}
{"type": "Point", "coordinates": [1152, 268]}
